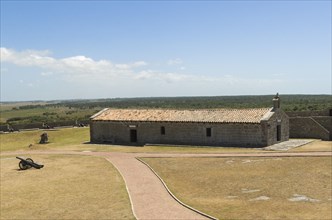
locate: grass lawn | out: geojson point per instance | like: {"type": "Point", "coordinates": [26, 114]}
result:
{"type": "Point", "coordinates": [251, 188]}
{"type": "Point", "coordinates": [68, 187]}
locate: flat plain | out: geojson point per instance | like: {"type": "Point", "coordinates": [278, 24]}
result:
{"type": "Point", "coordinates": [251, 188]}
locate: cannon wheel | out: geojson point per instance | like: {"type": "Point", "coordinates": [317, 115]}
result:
{"type": "Point", "coordinates": [23, 166]}
{"type": "Point", "coordinates": [29, 159]}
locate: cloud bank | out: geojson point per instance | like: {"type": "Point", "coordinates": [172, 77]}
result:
{"type": "Point", "coordinates": [135, 78]}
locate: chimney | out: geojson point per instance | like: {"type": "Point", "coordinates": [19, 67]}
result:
{"type": "Point", "coordinates": [276, 101]}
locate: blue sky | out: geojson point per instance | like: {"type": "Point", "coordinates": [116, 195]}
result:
{"type": "Point", "coordinates": [105, 49]}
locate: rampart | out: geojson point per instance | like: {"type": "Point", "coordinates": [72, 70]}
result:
{"type": "Point", "coordinates": [311, 124]}
{"type": "Point", "coordinates": [40, 125]}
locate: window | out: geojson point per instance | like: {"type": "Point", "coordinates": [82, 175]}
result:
{"type": "Point", "coordinates": [208, 132]}
{"type": "Point", "coordinates": [162, 130]}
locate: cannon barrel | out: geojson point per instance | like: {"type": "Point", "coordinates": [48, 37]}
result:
{"type": "Point", "coordinates": [28, 163]}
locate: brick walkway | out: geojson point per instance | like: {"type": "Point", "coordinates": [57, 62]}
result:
{"type": "Point", "coordinates": [149, 197]}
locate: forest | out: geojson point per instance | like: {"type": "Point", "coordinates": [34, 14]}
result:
{"type": "Point", "coordinates": [80, 110]}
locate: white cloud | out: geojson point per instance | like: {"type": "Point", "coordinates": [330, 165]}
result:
{"type": "Point", "coordinates": [168, 77]}
{"type": "Point", "coordinates": [75, 65]}
{"type": "Point", "coordinates": [147, 74]}
{"type": "Point", "coordinates": [132, 76]}
{"type": "Point", "coordinates": [139, 63]}
{"type": "Point", "coordinates": [46, 73]}
{"type": "Point", "coordinates": [173, 62]}
{"type": "Point", "coordinates": [27, 57]}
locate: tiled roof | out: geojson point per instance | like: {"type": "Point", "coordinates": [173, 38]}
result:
{"type": "Point", "coordinates": [170, 115]}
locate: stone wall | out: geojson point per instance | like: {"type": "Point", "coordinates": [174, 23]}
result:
{"type": "Point", "coordinates": [326, 112]}
{"type": "Point", "coordinates": [307, 127]}
{"type": "Point", "coordinates": [227, 134]}
{"type": "Point", "coordinates": [311, 124]}
{"type": "Point", "coordinates": [278, 118]}
{"type": "Point", "coordinates": [40, 125]}
{"type": "Point", "coordinates": [325, 121]}
{"type": "Point", "coordinates": [246, 135]}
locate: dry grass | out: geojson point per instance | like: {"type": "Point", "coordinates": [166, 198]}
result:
{"type": "Point", "coordinates": [162, 149]}
{"type": "Point", "coordinates": [317, 145]}
{"type": "Point", "coordinates": [57, 139]}
{"type": "Point", "coordinates": [77, 139]}
{"type": "Point", "coordinates": [223, 187]}
{"type": "Point", "coordinates": [68, 187]}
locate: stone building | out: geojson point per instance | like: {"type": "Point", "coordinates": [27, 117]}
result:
{"type": "Point", "coordinates": [219, 127]}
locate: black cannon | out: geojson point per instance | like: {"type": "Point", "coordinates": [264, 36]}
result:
{"type": "Point", "coordinates": [28, 163]}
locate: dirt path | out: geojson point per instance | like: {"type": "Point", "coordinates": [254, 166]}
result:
{"type": "Point", "coordinates": [150, 199]}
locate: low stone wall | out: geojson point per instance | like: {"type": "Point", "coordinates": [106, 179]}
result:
{"type": "Point", "coordinates": [326, 112]}
{"type": "Point", "coordinates": [40, 125]}
{"type": "Point", "coordinates": [325, 121]}
{"type": "Point", "coordinates": [311, 124]}
{"type": "Point", "coordinates": [307, 127]}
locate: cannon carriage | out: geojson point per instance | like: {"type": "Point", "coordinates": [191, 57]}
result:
{"type": "Point", "coordinates": [25, 164]}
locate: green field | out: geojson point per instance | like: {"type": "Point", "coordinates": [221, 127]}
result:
{"type": "Point", "coordinates": [44, 114]}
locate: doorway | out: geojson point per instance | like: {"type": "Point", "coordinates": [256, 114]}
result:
{"type": "Point", "coordinates": [133, 135]}
{"type": "Point", "coordinates": [278, 132]}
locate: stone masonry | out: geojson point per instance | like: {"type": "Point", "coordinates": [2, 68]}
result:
{"type": "Point", "coordinates": [120, 127]}
{"type": "Point", "coordinates": [311, 124]}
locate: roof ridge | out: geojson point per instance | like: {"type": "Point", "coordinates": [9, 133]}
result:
{"type": "Point", "coordinates": [188, 109]}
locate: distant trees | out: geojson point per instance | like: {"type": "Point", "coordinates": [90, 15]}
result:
{"type": "Point", "coordinates": [81, 110]}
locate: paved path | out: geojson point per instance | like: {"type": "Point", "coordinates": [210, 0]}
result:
{"type": "Point", "coordinates": [290, 144]}
{"type": "Point", "coordinates": [149, 198]}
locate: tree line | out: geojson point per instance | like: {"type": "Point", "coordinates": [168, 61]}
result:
{"type": "Point", "coordinates": [82, 109]}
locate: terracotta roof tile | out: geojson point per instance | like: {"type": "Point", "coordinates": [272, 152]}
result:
{"type": "Point", "coordinates": [170, 115]}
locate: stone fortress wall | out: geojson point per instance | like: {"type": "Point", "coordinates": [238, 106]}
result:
{"type": "Point", "coordinates": [311, 124]}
